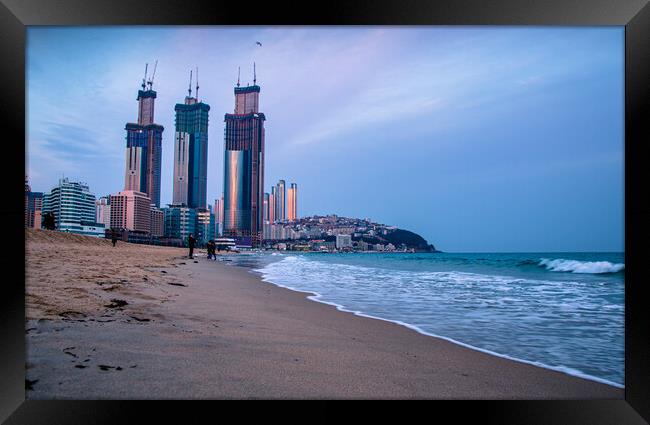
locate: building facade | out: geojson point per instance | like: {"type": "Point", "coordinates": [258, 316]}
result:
{"type": "Point", "coordinates": [144, 148]}
{"type": "Point", "coordinates": [244, 169]}
{"type": "Point", "coordinates": [131, 210]}
{"type": "Point", "coordinates": [191, 153]}
{"type": "Point", "coordinates": [157, 222]}
{"type": "Point", "coordinates": [180, 222]}
{"type": "Point", "coordinates": [204, 226]}
{"type": "Point", "coordinates": [292, 202]}
{"type": "Point", "coordinates": [73, 206]}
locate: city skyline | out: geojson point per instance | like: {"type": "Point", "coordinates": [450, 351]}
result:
{"type": "Point", "coordinates": [544, 153]}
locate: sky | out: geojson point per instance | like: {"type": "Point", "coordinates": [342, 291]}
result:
{"type": "Point", "coordinates": [480, 139]}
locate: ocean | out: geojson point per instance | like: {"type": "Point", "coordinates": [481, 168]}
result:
{"type": "Point", "coordinates": [562, 311]}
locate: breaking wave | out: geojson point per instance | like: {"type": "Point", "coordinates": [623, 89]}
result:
{"type": "Point", "coordinates": [574, 266]}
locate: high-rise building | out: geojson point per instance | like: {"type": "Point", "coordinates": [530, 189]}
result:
{"type": "Point", "coordinates": [191, 151]}
{"type": "Point", "coordinates": [131, 210]}
{"type": "Point", "coordinates": [280, 202]}
{"type": "Point", "coordinates": [292, 202]}
{"type": "Point", "coordinates": [244, 168]}
{"type": "Point", "coordinates": [218, 216]}
{"type": "Point", "coordinates": [180, 222]}
{"type": "Point", "coordinates": [103, 211]}
{"type": "Point", "coordinates": [73, 207]}
{"type": "Point", "coordinates": [144, 147]}
{"type": "Point", "coordinates": [272, 198]}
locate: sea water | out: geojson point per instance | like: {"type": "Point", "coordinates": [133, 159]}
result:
{"type": "Point", "coordinates": [563, 311]}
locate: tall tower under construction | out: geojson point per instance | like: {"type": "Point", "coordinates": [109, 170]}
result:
{"type": "Point", "coordinates": [244, 167]}
{"type": "Point", "coordinates": [144, 145]}
{"type": "Point", "coordinates": [191, 150]}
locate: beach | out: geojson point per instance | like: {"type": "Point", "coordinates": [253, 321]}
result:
{"type": "Point", "coordinates": [146, 322]}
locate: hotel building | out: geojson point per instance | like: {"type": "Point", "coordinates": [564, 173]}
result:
{"type": "Point", "coordinates": [131, 210]}
{"type": "Point", "coordinates": [244, 168]}
{"type": "Point", "coordinates": [73, 207]}
{"type": "Point", "coordinates": [144, 147]}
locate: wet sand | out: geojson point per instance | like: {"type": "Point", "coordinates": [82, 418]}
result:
{"type": "Point", "coordinates": [207, 330]}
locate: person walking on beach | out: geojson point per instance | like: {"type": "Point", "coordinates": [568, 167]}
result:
{"type": "Point", "coordinates": [190, 242]}
{"type": "Point", "coordinates": [210, 247]}
{"type": "Point", "coordinates": [113, 236]}
{"type": "Point", "coordinates": [213, 248]}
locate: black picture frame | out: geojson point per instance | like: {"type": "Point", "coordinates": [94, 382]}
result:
{"type": "Point", "coordinates": [15, 15]}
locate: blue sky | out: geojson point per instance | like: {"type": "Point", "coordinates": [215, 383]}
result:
{"type": "Point", "coordinates": [477, 138]}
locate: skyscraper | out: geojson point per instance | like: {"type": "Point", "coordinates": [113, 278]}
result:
{"type": "Point", "coordinates": [218, 216]}
{"type": "Point", "coordinates": [292, 202]}
{"type": "Point", "coordinates": [144, 146]}
{"type": "Point", "coordinates": [191, 151]}
{"type": "Point", "coordinates": [280, 202]}
{"type": "Point", "coordinates": [272, 198]}
{"type": "Point", "coordinates": [244, 168]}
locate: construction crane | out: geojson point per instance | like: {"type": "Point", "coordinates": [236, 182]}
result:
{"type": "Point", "coordinates": [153, 75]}
{"type": "Point", "coordinates": [144, 80]}
{"type": "Point", "coordinates": [197, 84]}
{"type": "Point", "coordinates": [189, 89]}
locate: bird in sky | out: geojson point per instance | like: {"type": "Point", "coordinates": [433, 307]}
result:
{"type": "Point", "coordinates": [258, 43]}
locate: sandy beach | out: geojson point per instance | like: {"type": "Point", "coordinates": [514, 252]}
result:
{"type": "Point", "coordinates": [145, 322]}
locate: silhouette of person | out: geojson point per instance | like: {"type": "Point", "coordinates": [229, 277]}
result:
{"type": "Point", "coordinates": [191, 242]}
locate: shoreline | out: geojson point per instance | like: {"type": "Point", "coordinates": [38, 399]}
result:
{"type": "Point", "coordinates": [204, 329]}
{"type": "Point", "coordinates": [315, 296]}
